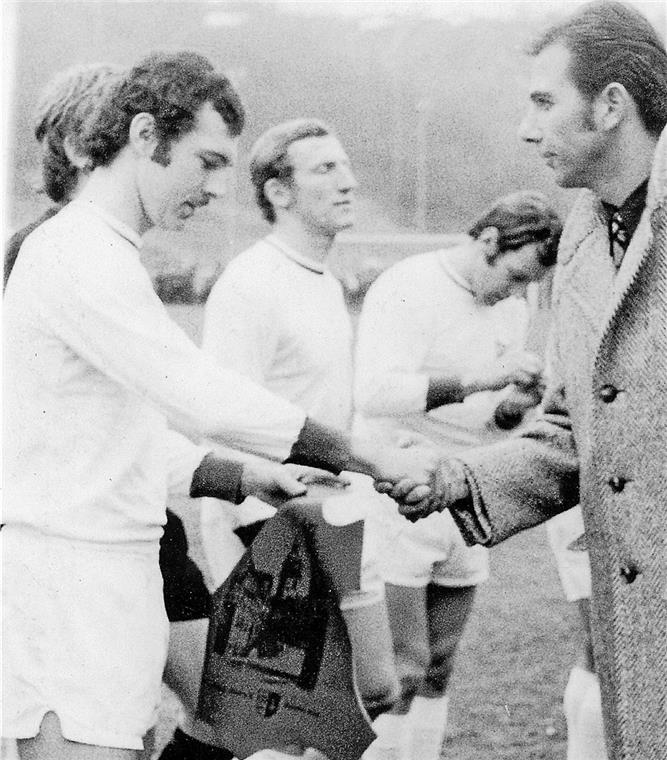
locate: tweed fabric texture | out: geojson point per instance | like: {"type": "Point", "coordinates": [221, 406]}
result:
{"type": "Point", "coordinates": [602, 439]}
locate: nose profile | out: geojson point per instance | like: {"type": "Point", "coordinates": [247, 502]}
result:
{"type": "Point", "coordinates": [528, 131]}
{"type": "Point", "coordinates": [217, 183]}
{"type": "Point", "coordinates": [347, 179]}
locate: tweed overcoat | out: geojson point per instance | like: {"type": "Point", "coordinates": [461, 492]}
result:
{"type": "Point", "coordinates": [602, 439]}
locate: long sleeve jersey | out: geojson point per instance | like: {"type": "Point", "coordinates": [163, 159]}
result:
{"type": "Point", "coordinates": [420, 320]}
{"type": "Point", "coordinates": [94, 369]}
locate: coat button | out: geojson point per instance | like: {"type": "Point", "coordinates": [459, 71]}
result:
{"type": "Point", "coordinates": [617, 484]}
{"type": "Point", "coordinates": [629, 573]}
{"type": "Point", "coordinates": [608, 393]}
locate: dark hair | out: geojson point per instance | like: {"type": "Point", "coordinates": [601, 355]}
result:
{"type": "Point", "coordinates": [172, 87]}
{"type": "Point", "coordinates": [522, 218]}
{"type": "Point", "coordinates": [611, 42]}
{"type": "Point", "coordinates": [268, 157]}
{"type": "Point", "coordinates": [67, 109]}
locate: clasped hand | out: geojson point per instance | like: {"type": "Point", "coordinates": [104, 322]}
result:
{"type": "Point", "coordinates": [413, 474]}
{"type": "Point", "coordinates": [420, 480]}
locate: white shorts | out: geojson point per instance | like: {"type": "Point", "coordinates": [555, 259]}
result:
{"type": "Point", "coordinates": [428, 551]}
{"type": "Point", "coordinates": [85, 637]}
{"type": "Point", "coordinates": [573, 565]}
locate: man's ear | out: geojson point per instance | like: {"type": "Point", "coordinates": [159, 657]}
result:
{"type": "Point", "coordinates": [278, 193]}
{"type": "Point", "coordinates": [488, 238]}
{"type": "Point", "coordinates": [611, 106]}
{"type": "Point", "coordinates": [143, 135]}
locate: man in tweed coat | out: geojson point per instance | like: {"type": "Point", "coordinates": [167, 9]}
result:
{"type": "Point", "coordinates": [598, 106]}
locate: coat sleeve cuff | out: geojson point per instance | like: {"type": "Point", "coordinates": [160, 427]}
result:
{"type": "Point", "coordinates": [321, 446]}
{"type": "Point", "coordinates": [469, 513]}
{"type": "Point", "coordinates": [218, 478]}
{"type": "Point", "coordinates": [443, 390]}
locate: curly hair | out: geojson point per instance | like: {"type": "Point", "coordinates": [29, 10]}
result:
{"type": "Point", "coordinates": [172, 87]}
{"type": "Point", "coordinates": [611, 42]}
{"type": "Point", "coordinates": [68, 108]}
{"type": "Point", "coordinates": [268, 156]}
{"type": "Point", "coordinates": [521, 218]}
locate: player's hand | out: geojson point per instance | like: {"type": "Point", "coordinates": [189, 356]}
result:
{"type": "Point", "coordinates": [522, 368]}
{"type": "Point", "coordinates": [447, 486]}
{"type": "Point", "coordinates": [405, 491]}
{"type": "Point", "coordinates": [415, 464]}
{"type": "Point", "coordinates": [269, 482]}
{"type": "Point", "coordinates": [527, 397]}
{"type": "Point", "coordinates": [512, 409]}
{"type": "Point", "coordinates": [313, 476]}
{"type": "Point", "coordinates": [408, 438]}
{"type": "Point", "coordinates": [418, 490]}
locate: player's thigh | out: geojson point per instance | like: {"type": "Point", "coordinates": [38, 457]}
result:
{"type": "Point", "coordinates": [49, 744]}
{"type": "Point", "coordinates": [98, 643]}
{"type": "Point", "coordinates": [185, 659]}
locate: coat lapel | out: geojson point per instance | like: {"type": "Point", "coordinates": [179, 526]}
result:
{"type": "Point", "coordinates": [586, 272]}
{"type": "Point", "coordinates": [641, 244]}
{"type": "Point", "coordinates": [637, 252]}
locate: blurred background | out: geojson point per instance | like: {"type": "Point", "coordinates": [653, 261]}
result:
{"type": "Point", "coordinates": [426, 97]}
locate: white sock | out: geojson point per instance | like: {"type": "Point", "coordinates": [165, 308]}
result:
{"type": "Point", "coordinates": [583, 713]}
{"type": "Point", "coordinates": [392, 737]}
{"type": "Point", "coordinates": [428, 724]}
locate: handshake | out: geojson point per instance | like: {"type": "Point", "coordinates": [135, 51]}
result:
{"type": "Point", "coordinates": [413, 474]}
{"type": "Point", "coordinates": [420, 480]}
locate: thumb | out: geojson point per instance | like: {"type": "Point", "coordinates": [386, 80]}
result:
{"type": "Point", "coordinates": [288, 484]}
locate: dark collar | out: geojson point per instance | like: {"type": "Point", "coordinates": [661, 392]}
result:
{"type": "Point", "coordinates": [630, 210]}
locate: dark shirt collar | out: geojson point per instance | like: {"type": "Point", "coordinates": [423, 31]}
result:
{"type": "Point", "coordinates": [630, 210]}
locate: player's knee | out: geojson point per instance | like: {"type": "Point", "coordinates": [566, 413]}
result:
{"type": "Point", "coordinates": [49, 740]}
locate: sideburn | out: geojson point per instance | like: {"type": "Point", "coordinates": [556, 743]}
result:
{"type": "Point", "coordinates": [162, 153]}
{"type": "Point", "coordinates": [588, 118]}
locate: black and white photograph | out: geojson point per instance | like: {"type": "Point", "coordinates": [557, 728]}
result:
{"type": "Point", "coordinates": [334, 380]}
